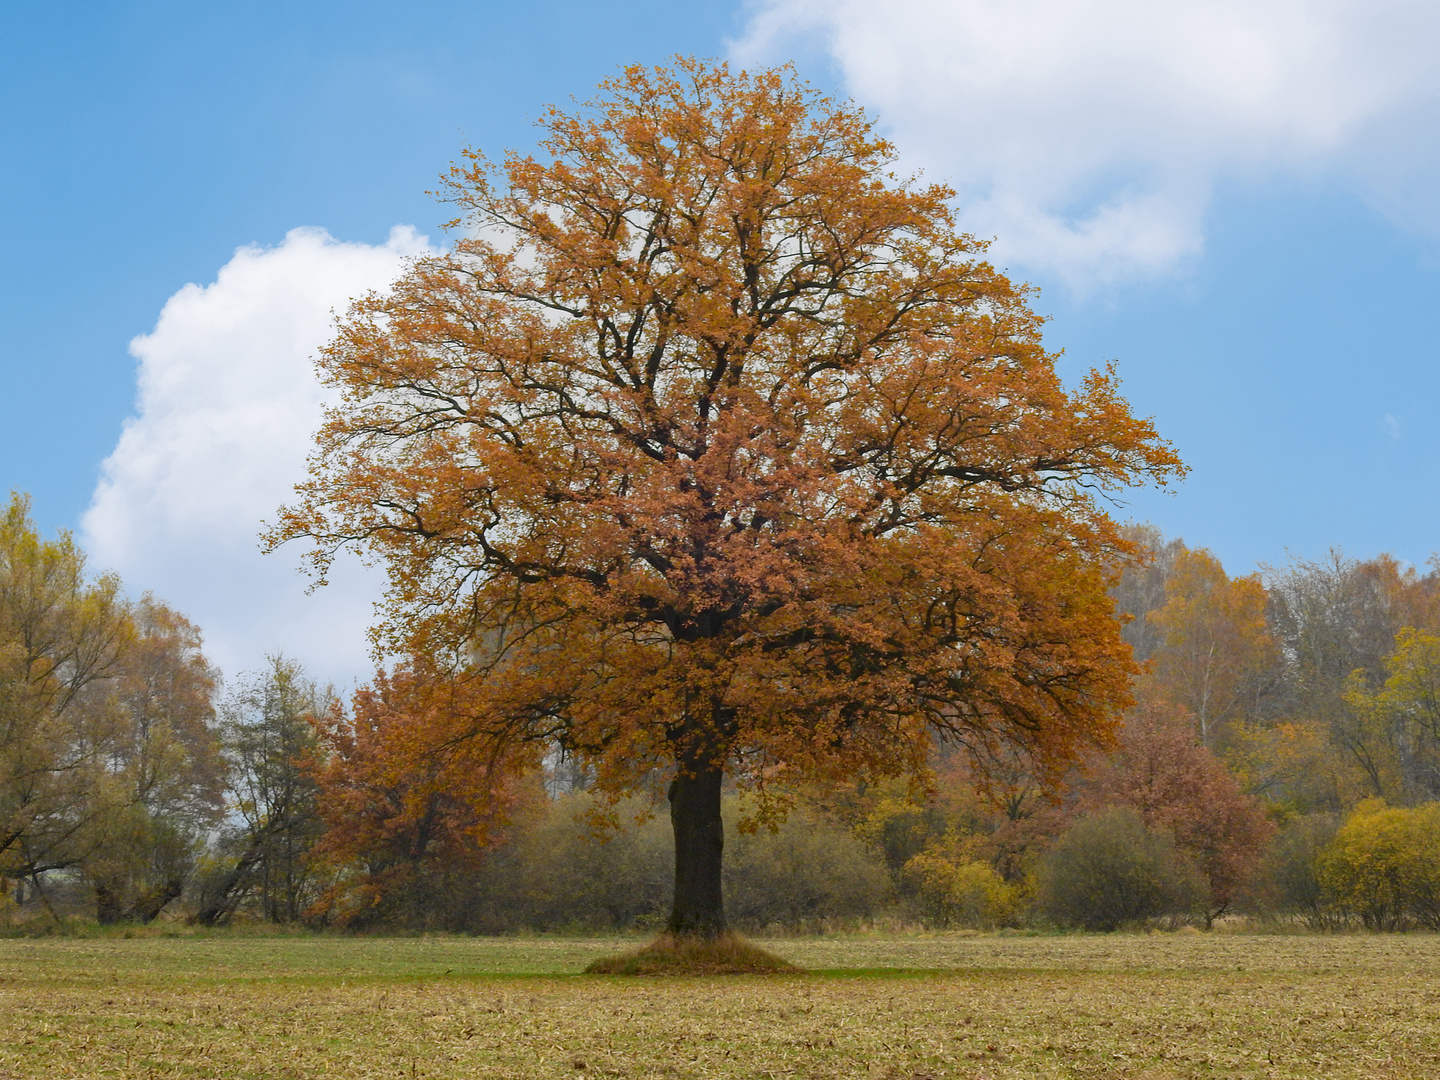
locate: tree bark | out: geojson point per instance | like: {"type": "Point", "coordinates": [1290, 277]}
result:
{"type": "Point", "coordinates": [699, 906]}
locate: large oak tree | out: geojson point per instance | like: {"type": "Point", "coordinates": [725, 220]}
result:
{"type": "Point", "coordinates": [714, 448]}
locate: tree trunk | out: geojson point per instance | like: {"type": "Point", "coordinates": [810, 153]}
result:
{"type": "Point", "coordinates": [148, 907]}
{"type": "Point", "coordinates": [221, 902]}
{"type": "Point", "coordinates": [699, 906]}
{"type": "Point", "coordinates": [107, 904]}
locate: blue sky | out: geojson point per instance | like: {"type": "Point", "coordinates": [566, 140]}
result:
{"type": "Point", "coordinates": [1236, 202]}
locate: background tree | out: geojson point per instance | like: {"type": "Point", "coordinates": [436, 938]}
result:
{"type": "Point", "coordinates": [1142, 587]}
{"type": "Point", "coordinates": [1383, 865]}
{"type": "Point", "coordinates": [805, 873]}
{"type": "Point", "coordinates": [713, 448]}
{"type": "Point", "coordinates": [1403, 715]}
{"type": "Point", "coordinates": [1181, 789]}
{"type": "Point", "coordinates": [1109, 869]}
{"type": "Point", "coordinates": [61, 637]}
{"type": "Point", "coordinates": [400, 815]}
{"type": "Point", "coordinates": [1291, 764]}
{"type": "Point", "coordinates": [1217, 656]}
{"type": "Point", "coordinates": [559, 870]}
{"type": "Point", "coordinates": [1289, 882]}
{"type": "Point", "coordinates": [1335, 617]}
{"type": "Point", "coordinates": [953, 885]}
{"type": "Point", "coordinates": [165, 755]}
{"type": "Point", "coordinates": [268, 740]}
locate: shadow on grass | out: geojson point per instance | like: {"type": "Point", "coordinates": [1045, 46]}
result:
{"type": "Point", "coordinates": [670, 955]}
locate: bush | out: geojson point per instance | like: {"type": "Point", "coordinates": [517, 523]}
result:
{"type": "Point", "coordinates": [899, 829]}
{"type": "Point", "coordinates": [558, 873]}
{"type": "Point", "coordinates": [807, 872]}
{"type": "Point", "coordinates": [1108, 870]}
{"type": "Point", "coordinates": [1181, 788]}
{"type": "Point", "coordinates": [1288, 882]}
{"type": "Point", "coordinates": [1383, 866]}
{"type": "Point", "coordinates": [951, 890]}
{"type": "Point", "coordinates": [555, 871]}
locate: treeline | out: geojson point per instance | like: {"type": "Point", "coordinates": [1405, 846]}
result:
{"type": "Point", "coordinates": [1282, 761]}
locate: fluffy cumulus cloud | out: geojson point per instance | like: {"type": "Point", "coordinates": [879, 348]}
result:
{"type": "Point", "coordinates": [1087, 135]}
{"type": "Point", "coordinates": [227, 404]}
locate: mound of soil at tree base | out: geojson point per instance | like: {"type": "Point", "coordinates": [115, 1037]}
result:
{"type": "Point", "coordinates": [670, 955]}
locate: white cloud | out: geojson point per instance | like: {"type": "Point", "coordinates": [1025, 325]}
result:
{"type": "Point", "coordinates": [1087, 134]}
{"type": "Point", "coordinates": [227, 404]}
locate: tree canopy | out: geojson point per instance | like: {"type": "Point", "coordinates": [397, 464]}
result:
{"type": "Point", "coordinates": [712, 447]}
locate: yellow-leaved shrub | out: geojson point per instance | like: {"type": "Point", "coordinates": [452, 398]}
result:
{"type": "Point", "coordinates": [1383, 866]}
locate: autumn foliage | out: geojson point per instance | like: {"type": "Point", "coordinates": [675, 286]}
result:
{"type": "Point", "coordinates": [713, 464]}
{"type": "Point", "coordinates": [1180, 788]}
{"type": "Point", "coordinates": [1383, 866]}
{"type": "Point", "coordinates": [404, 816]}
{"type": "Point", "coordinates": [1217, 647]}
{"type": "Point", "coordinates": [713, 449]}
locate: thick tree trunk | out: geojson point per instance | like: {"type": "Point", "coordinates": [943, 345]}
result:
{"type": "Point", "coordinates": [699, 906]}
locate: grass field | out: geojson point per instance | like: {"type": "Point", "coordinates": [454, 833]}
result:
{"type": "Point", "coordinates": [1149, 1007]}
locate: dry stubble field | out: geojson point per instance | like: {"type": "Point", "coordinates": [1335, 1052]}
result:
{"type": "Point", "coordinates": [1151, 1007]}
